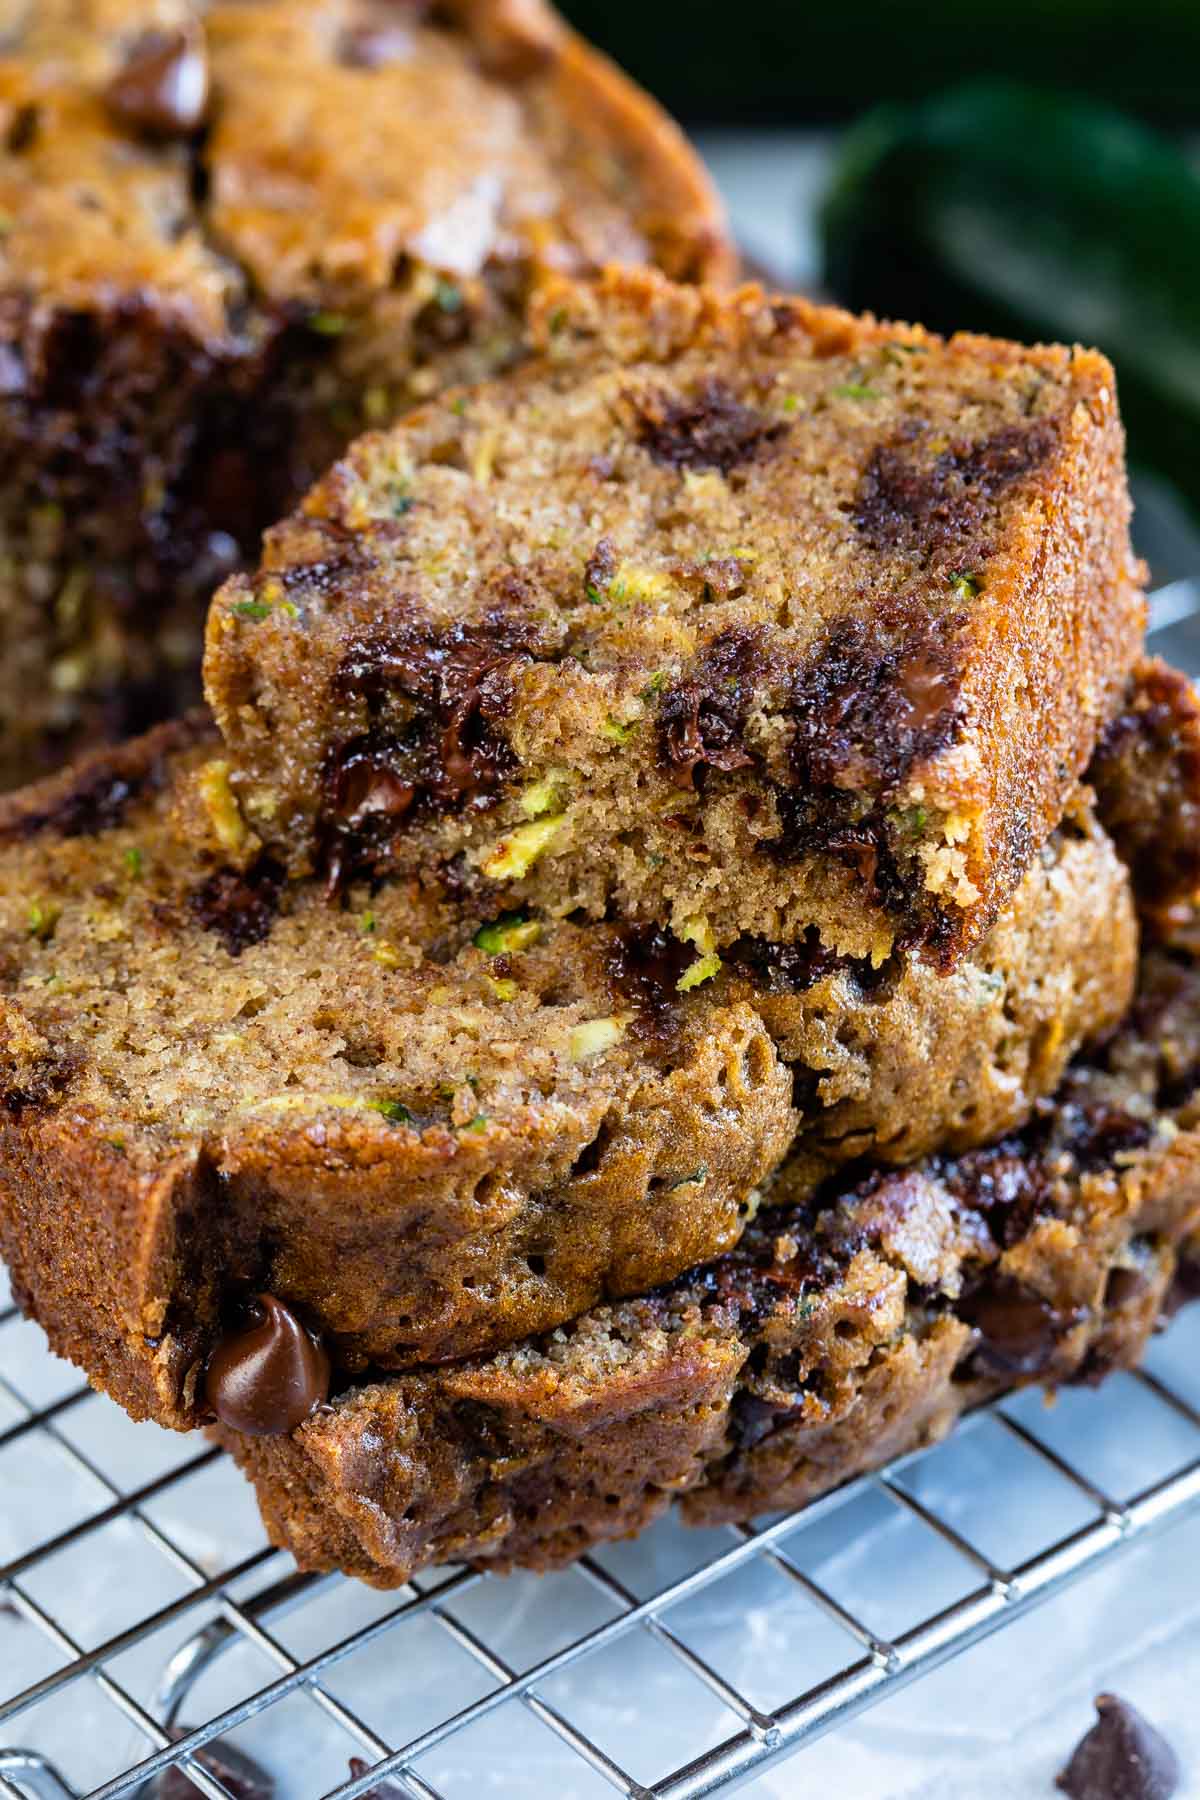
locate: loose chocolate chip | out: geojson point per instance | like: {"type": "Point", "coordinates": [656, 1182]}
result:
{"type": "Point", "coordinates": [163, 90]}
{"type": "Point", "coordinates": [267, 1377]}
{"type": "Point", "coordinates": [1122, 1757]}
{"type": "Point", "coordinates": [238, 1774]}
{"type": "Point", "coordinates": [383, 1790]}
{"type": "Point", "coordinates": [1018, 1329]}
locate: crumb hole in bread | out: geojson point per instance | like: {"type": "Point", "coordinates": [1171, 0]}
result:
{"type": "Point", "coordinates": [757, 1062]}
{"type": "Point", "coordinates": [591, 1156]}
{"type": "Point", "coordinates": [536, 1264]}
{"type": "Point", "coordinates": [845, 1329]}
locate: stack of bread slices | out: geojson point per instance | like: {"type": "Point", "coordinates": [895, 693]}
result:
{"type": "Point", "coordinates": [668, 970]}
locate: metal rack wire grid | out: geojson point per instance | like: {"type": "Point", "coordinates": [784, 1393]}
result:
{"type": "Point", "coordinates": [152, 1644]}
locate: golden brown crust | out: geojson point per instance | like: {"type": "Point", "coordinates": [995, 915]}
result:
{"type": "Point", "coordinates": [736, 584]}
{"type": "Point", "coordinates": [827, 1343]}
{"type": "Point", "coordinates": [216, 1082]}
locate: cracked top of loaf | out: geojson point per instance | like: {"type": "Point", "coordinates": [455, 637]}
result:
{"type": "Point", "coordinates": [737, 612]}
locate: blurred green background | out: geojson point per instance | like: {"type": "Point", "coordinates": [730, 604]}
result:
{"type": "Point", "coordinates": [781, 62]}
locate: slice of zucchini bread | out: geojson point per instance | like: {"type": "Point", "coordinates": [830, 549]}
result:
{"type": "Point", "coordinates": [740, 614]}
{"type": "Point", "coordinates": [428, 1129]}
{"type": "Point", "coordinates": [829, 1340]}
{"type": "Point", "coordinates": [231, 236]}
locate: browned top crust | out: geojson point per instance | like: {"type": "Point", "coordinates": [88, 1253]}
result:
{"type": "Point", "coordinates": [231, 237]}
{"type": "Point", "coordinates": [831, 1339]}
{"type": "Point", "coordinates": [427, 1128]}
{"type": "Point", "coordinates": [212, 163]}
{"type": "Point", "coordinates": [741, 612]}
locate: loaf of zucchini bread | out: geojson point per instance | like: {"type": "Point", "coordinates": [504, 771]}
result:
{"type": "Point", "coordinates": [829, 1340]}
{"type": "Point", "coordinates": [740, 615]}
{"type": "Point", "coordinates": [232, 235]}
{"type": "Point", "coordinates": [427, 1128]}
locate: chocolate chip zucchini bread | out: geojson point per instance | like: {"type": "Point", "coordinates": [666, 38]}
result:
{"type": "Point", "coordinates": [829, 1340]}
{"type": "Point", "coordinates": [232, 235]}
{"type": "Point", "coordinates": [427, 1129]}
{"type": "Point", "coordinates": [739, 614]}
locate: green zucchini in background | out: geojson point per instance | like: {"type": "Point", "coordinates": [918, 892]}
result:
{"type": "Point", "coordinates": [1038, 216]}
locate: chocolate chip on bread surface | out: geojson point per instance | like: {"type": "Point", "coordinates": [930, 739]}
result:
{"type": "Point", "coordinates": [737, 613]}
{"type": "Point", "coordinates": [231, 237]}
{"type": "Point", "coordinates": [429, 1128]}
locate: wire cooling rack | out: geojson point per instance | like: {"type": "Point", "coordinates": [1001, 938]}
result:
{"type": "Point", "coordinates": [152, 1644]}
{"type": "Point", "coordinates": [150, 1639]}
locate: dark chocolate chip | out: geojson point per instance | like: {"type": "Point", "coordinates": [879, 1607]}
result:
{"type": "Point", "coordinates": [163, 89]}
{"type": "Point", "coordinates": [1122, 1757]}
{"type": "Point", "coordinates": [711, 429]}
{"type": "Point", "coordinates": [239, 904]}
{"type": "Point", "coordinates": [267, 1377]}
{"type": "Point", "coordinates": [941, 507]}
{"type": "Point", "coordinates": [383, 1790]}
{"type": "Point", "coordinates": [702, 719]}
{"type": "Point", "coordinates": [237, 1773]}
{"type": "Point", "coordinates": [643, 965]}
{"type": "Point", "coordinates": [1018, 1329]}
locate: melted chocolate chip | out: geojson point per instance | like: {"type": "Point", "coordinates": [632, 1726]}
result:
{"type": "Point", "coordinates": [870, 704]}
{"type": "Point", "coordinates": [1005, 1183]}
{"type": "Point", "coordinates": [793, 968]}
{"type": "Point", "coordinates": [701, 720]}
{"type": "Point", "coordinates": [752, 1420]}
{"type": "Point", "coordinates": [643, 966]}
{"type": "Point", "coordinates": [269, 1376]}
{"type": "Point", "coordinates": [240, 905]}
{"type": "Point", "coordinates": [1122, 1757]}
{"type": "Point", "coordinates": [1018, 1329]}
{"type": "Point", "coordinates": [600, 568]}
{"type": "Point", "coordinates": [448, 690]}
{"type": "Point", "coordinates": [92, 804]}
{"type": "Point", "coordinates": [163, 89]}
{"type": "Point", "coordinates": [939, 508]}
{"type": "Point", "coordinates": [709, 430]}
